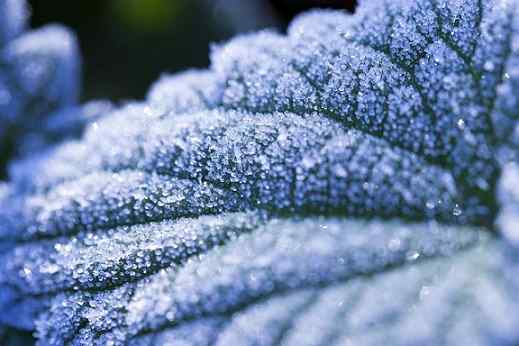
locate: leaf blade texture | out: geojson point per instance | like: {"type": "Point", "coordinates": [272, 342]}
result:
{"type": "Point", "coordinates": [333, 185]}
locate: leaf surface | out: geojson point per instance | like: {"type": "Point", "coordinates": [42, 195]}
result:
{"type": "Point", "coordinates": [333, 185]}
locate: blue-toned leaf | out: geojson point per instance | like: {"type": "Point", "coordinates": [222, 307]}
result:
{"type": "Point", "coordinates": [39, 74]}
{"type": "Point", "coordinates": [13, 18]}
{"type": "Point", "coordinates": [186, 92]}
{"type": "Point", "coordinates": [350, 182]}
{"type": "Point", "coordinates": [272, 286]}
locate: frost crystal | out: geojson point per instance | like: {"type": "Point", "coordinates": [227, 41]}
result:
{"type": "Point", "coordinates": [330, 186]}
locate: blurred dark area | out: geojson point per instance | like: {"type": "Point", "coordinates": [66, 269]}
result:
{"type": "Point", "coordinates": [287, 9]}
{"type": "Point", "coordinates": [14, 337]}
{"type": "Point", "coordinates": [127, 44]}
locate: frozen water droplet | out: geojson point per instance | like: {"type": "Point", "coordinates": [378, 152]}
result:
{"type": "Point", "coordinates": [395, 244]}
{"type": "Point", "coordinates": [174, 198]}
{"type": "Point", "coordinates": [93, 315]}
{"type": "Point", "coordinates": [461, 124]}
{"type": "Point", "coordinates": [457, 211]}
{"type": "Point", "coordinates": [49, 268]}
{"type": "Point", "coordinates": [412, 256]}
{"type": "Point", "coordinates": [340, 171]}
{"type": "Point", "coordinates": [308, 162]}
{"type": "Point", "coordinates": [424, 292]}
{"type": "Point", "coordinates": [489, 66]}
{"type": "Point", "coordinates": [27, 271]}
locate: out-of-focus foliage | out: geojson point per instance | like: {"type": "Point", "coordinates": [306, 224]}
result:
{"type": "Point", "coordinates": [334, 185]}
{"type": "Point", "coordinates": [39, 74]}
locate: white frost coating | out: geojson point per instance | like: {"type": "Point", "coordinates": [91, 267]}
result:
{"type": "Point", "coordinates": [198, 333]}
{"type": "Point", "coordinates": [508, 220]}
{"type": "Point", "coordinates": [64, 124]}
{"type": "Point", "coordinates": [287, 255]}
{"type": "Point", "coordinates": [105, 259]}
{"type": "Point", "coordinates": [359, 75]}
{"type": "Point", "coordinates": [266, 323]}
{"type": "Point", "coordinates": [252, 284]}
{"type": "Point", "coordinates": [197, 209]}
{"type": "Point", "coordinates": [279, 162]}
{"type": "Point", "coordinates": [393, 70]}
{"type": "Point", "coordinates": [185, 92]}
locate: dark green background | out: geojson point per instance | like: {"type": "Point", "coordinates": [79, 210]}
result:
{"type": "Point", "coordinates": [126, 44]}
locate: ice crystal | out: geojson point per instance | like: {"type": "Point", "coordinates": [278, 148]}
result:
{"type": "Point", "coordinates": [334, 185]}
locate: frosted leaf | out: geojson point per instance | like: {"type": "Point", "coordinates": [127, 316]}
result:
{"type": "Point", "coordinates": [44, 64]}
{"type": "Point", "coordinates": [66, 123]}
{"type": "Point", "coordinates": [39, 74]}
{"type": "Point", "coordinates": [4, 191]}
{"type": "Point", "coordinates": [197, 333]}
{"type": "Point", "coordinates": [13, 17]}
{"type": "Point", "coordinates": [359, 75]}
{"type": "Point", "coordinates": [107, 200]}
{"type": "Point", "coordinates": [213, 162]}
{"type": "Point", "coordinates": [105, 259]}
{"type": "Point", "coordinates": [229, 195]}
{"type": "Point", "coordinates": [393, 70]}
{"type": "Point", "coordinates": [185, 92]}
{"type": "Point", "coordinates": [284, 282]}
{"type": "Point", "coordinates": [33, 273]}
{"type": "Point", "coordinates": [508, 219]}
